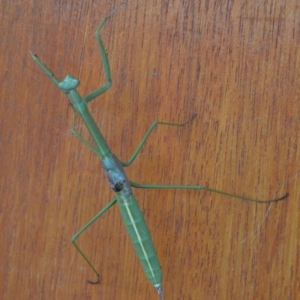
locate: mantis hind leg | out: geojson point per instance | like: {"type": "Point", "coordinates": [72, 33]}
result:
{"type": "Point", "coordinates": [143, 141]}
{"type": "Point", "coordinates": [199, 187]}
{"type": "Point", "coordinates": [88, 224]}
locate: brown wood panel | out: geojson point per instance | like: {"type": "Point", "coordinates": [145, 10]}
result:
{"type": "Point", "coordinates": [236, 63]}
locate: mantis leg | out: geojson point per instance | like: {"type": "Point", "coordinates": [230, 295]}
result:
{"type": "Point", "coordinates": [141, 144]}
{"type": "Point", "coordinates": [138, 149]}
{"type": "Point", "coordinates": [85, 141]}
{"type": "Point", "coordinates": [199, 187]}
{"type": "Point", "coordinates": [77, 234]}
{"type": "Point", "coordinates": [104, 59]}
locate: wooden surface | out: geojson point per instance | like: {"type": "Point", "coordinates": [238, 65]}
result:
{"type": "Point", "coordinates": [236, 63]}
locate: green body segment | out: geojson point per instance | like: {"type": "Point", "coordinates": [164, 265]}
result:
{"type": "Point", "coordinates": [130, 211]}
{"type": "Point", "coordinates": [140, 237]}
{"type": "Point", "coordinates": [82, 109]}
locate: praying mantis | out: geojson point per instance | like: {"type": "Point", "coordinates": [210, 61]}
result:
{"type": "Point", "coordinates": [114, 171]}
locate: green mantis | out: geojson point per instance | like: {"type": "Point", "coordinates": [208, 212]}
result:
{"type": "Point", "coordinates": [114, 171]}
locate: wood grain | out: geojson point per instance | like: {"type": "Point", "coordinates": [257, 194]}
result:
{"type": "Point", "coordinates": [236, 63]}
